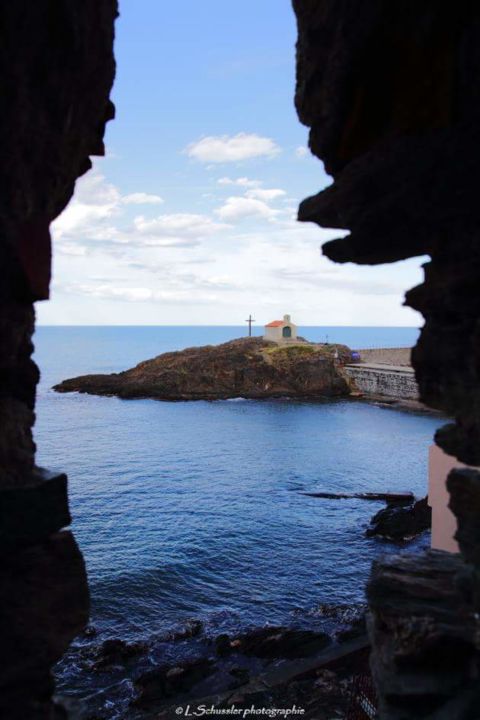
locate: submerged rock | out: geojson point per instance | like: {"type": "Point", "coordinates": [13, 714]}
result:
{"type": "Point", "coordinates": [401, 523]}
{"type": "Point", "coordinates": [244, 368]}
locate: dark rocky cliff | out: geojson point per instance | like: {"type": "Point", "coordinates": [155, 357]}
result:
{"type": "Point", "coordinates": [57, 69]}
{"type": "Point", "coordinates": [390, 92]}
{"type": "Point", "coordinates": [248, 367]}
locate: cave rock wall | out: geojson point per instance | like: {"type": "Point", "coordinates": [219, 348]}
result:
{"type": "Point", "coordinates": [391, 94]}
{"type": "Point", "coordinates": [56, 72]}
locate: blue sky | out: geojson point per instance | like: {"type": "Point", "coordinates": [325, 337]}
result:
{"type": "Point", "coordinates": [190, 218]}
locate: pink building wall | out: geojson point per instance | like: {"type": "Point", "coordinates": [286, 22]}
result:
{"type": "Point", "coordinates": [444, 522]}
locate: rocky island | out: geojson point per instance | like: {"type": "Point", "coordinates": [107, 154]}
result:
{"type": "Point", "coordinates": [248, 367]}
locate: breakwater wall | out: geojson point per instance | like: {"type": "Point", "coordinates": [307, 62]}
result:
{"type": "Point", "coordinates": [388, 380]}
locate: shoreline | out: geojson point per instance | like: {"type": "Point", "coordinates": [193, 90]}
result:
{"type": "Point", "coordinates": [255, 369]}
{"type": "Point", "coordinates": [382, 401]}
{"type": "Point", "coordinates": [266, 665]}
{"type": "Point", "coordinates": [407, 405]}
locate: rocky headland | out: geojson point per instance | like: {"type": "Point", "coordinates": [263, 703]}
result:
{"type": "Point", "coordinates": [247, 368]}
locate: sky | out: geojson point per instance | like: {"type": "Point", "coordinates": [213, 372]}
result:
{"type": "Point", "coordinates": [191, 216]}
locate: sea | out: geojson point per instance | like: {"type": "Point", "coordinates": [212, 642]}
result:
{"type": "Point", "coordinates": [198, 509]}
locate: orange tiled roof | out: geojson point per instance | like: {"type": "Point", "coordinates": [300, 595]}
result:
{"type": "Point", "coordinates": [275, 323]}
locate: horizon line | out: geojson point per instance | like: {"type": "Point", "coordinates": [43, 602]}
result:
{"type": "Point", "coordinates": [45, 325]}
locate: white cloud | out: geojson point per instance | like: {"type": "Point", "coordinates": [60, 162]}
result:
{"type": "Point", "coordinates": [226, 148]}
{"type": "Point", "coordinates": [198, 264]}
{"type": "Point", "coordinates": [174, 277]}
{"type": "Point", "coordinates": [94, 189]}
{"type": "Point", "coordinates": [178, 225]}
{"type": "Point", "coordinates": [105, 290]}
{"type": "Point", "coordinates": [164, 242]}
{"type": "Point", "coordinates": [110, 291]}
{"type": "Point", "coordinates": [237, 208]}
{"type": "Point", "coordinates": [265, 193]}
{"type": "Point", "coordinates": [141, 198]}
{"type": "Point", "coordinates": [71, 248]}
{"type": "Point", "coordinates": [337, 280]}
{"type": "Point", "coordinates": [132, 294]}
{"type": "Point", "coordinates": [241, 182]}
{"type": "Point", "coordinates": [95, 201]}
{"type": "Point", "coordinates": [301, 151]}
{"type": "Point", "coordinates": [253, 188]}
{"type": "Point", "coordinates": [96, 217]}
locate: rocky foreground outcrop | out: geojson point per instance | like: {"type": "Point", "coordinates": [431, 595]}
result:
{"type": "Point", "coordinates": [248, 368]}
{"type": "Point", "coordinates": [309, 665]}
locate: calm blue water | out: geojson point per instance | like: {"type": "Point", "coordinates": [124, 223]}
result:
{"type": "Point", "coordinates": [195, 509]}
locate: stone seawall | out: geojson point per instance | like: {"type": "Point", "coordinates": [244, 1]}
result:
{"type": "Point", "coordinates": [388, 380]}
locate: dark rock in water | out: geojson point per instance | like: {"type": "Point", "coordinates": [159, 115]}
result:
{"type": "Point", "coordinates": [117, 652]}
{"type": "Point", "coordinates": [280, 642]}
{"type": "Point", "coordinates": [169, 680]}
{"type": "Point", "coordinates": [222, 645]}
{"type": "Point", "coordinates": [357, 628]}
{"type": "Point", "coordinates": [397, 498]}
{"type": "Point", "coordinates": [248, 368]}
{"type": "Point", "coordinates": [90, 631]}
{"type": "Point", "coordinates": [401, 523]}
{"type": "Point", "coordinates": [193, 628]}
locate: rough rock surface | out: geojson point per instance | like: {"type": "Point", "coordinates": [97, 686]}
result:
{"type": "Point", "coordinates": [390, 93]}
{"type": "Point", "coordinates": [248, 367]}
{"type": "Point", "coordinates": [422, 622]}
{"type": "Point", "coordinates": [44, 605]}
{"type": "Point", "coordinates": [400, 523]}
{"type": "Point", "coordinates": [56, 69]}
